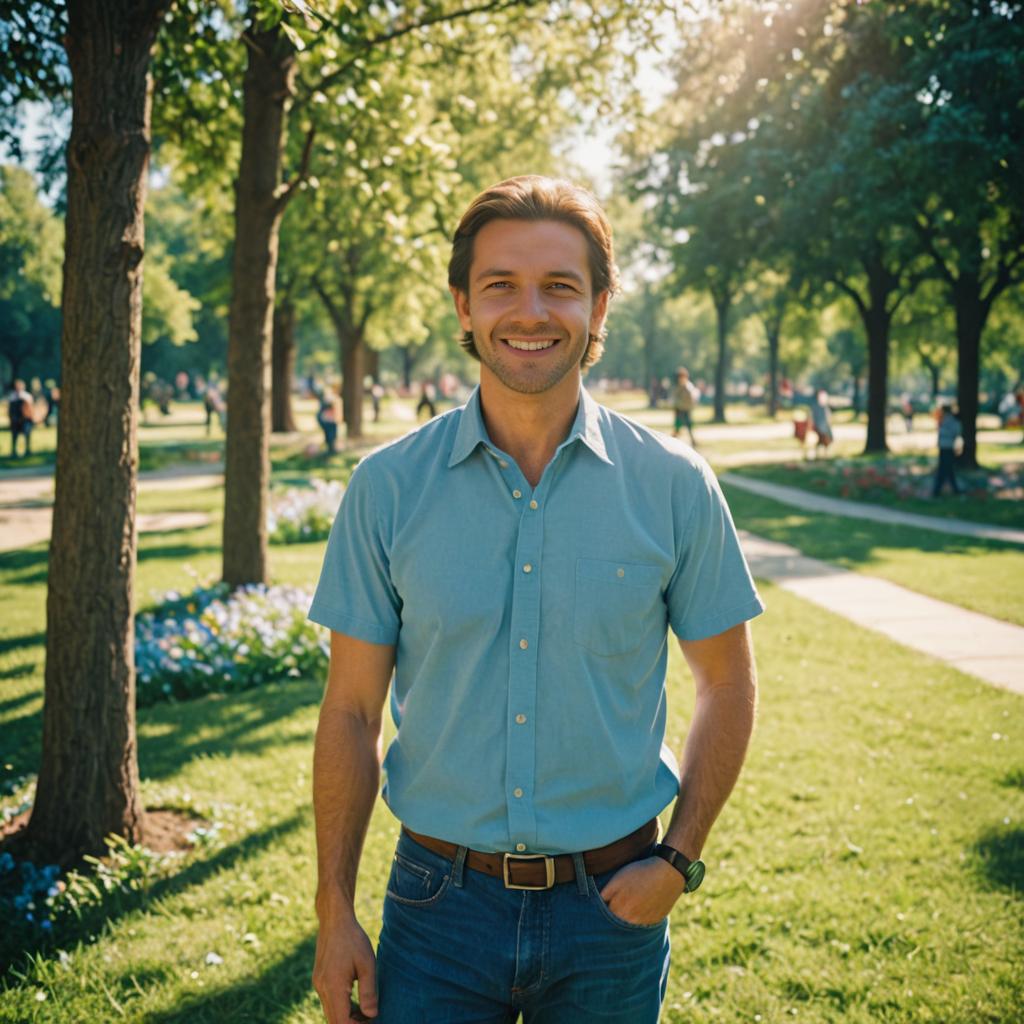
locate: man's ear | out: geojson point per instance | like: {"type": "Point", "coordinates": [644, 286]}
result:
{"type": "Point", "coordinates": [461, 300]}
{"type": "Point", "coordinates": [600, 311]}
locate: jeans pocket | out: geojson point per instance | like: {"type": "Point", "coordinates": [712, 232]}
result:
{"type": "Point", "coordinates": [605, 911]}
{"type": "Point", "coordinates": [416, 884]}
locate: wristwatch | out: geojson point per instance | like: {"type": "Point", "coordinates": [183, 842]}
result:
{"type": "Point", "coordinates": [691, 870]}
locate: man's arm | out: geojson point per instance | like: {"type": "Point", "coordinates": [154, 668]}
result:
{"type": "Point", "coordinates": [726, 680]}
{"type": "Point", "coordinates": [346, 776]}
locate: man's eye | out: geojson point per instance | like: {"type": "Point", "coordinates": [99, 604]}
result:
{"type": "Point", "coordinates": [562, 284]}
{"type": "Point", "coordinates": [499, 284]}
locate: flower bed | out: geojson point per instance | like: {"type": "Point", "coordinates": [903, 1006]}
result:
{"type": "Point", "coordinates": [304, 514]}
{"type": "Point", "coordinates": [215, 640]}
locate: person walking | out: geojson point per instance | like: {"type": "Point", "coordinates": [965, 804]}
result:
{"type": "Point", "coordinates": [426, 402]}
{"type": "Point", "coordinates": [327, 416]}
{"type": "Point", "coordinates": [821, 420]}
{"type": "Point", "coordinates": [21, 416]}
{"type": "Point", "coordinates": [949, 431]}
{"type": "Point", "coordinates": [509, 571]}
{"type": "Point", "coordinates": [685, 396]}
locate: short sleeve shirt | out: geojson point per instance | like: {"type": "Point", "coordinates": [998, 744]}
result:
{"type": "Point", "coordinates": [530, 624]}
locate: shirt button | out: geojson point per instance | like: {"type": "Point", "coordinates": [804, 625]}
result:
{"type": "Point", "coordinates": [620, 573]}
{"type": "Point", "coordinates": [533, 504]}
{"type": "Point", "coordinates": [503, 463]}
{"type": "Point", "coordinates": [517, 494]}
{"type": "Point", "coordinates": [523, 644]}
{"type": "Point", "coordinates": [520, 847]}
{"type": "Point", "coordinates": [517, 792]}
{"type": "Point", "coordinates": [520, 719]}
{"type": "Point", "coordinates": [527, 567]}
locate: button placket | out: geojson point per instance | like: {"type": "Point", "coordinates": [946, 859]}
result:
{"type": "Point", "coordinates": [523, 671]}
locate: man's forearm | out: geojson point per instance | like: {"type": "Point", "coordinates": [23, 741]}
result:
{"type": "Point", "coordinates": [346, 775]}
{"type": "Point", "coordinates": [715, 749]}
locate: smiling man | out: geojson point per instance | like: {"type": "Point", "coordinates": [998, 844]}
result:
{"type": "Point", "coordinates": [510, 571]}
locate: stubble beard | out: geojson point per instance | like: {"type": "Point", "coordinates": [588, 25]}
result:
{"type": "Point", "coordinates": [528, 377]}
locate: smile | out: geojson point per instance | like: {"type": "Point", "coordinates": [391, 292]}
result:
{"type": "Point", "coordinates": [530, 346]}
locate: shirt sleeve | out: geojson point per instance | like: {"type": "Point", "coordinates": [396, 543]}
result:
{"type": "Point", "coordinates": [355, 594]}
{"type": "Point", "coordinates": [711, 589]}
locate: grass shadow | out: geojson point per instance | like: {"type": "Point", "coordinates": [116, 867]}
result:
{"type": "Point", "coordinates": [148, 553]}
{"type": "Point", "coordinates": [218, 725]}
{"type": "Point", "coordinates": [1014, 778]}
{"type": "Point", "coordinates": [25, 558]}
{"type": "Point", "coordinates": [14, 643]}
{"type": "Point", "coordinates": [16, 946]}
{"type": "Point", "coordinates": [1000, 857]}
{"type": "Point", "coordinates": [268, 996]}
{"type": "Point", "coordinates": [15, 672]}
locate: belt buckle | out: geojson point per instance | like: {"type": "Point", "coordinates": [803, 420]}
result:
{"type": "Point", "coordinates": [549, 870]}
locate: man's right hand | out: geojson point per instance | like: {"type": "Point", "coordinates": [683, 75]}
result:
{"type": "Point", "coordinates": [343, 956]}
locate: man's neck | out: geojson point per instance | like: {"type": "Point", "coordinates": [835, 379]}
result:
{"type": "Point", "coordinates": [529, 427]}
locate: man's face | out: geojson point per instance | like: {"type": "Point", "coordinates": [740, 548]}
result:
{"type": "Point", "coordinates": [530, 304]}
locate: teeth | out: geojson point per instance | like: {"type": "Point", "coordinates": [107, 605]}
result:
{"type": "Point", "coordinates": [529, 346]}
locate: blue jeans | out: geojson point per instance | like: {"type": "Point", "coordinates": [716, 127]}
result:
{"type": "Point", "coordinates": [457, 947]}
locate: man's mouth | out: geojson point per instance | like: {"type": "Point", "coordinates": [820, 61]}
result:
{"type": "Point", "coordinates": [533, 345]}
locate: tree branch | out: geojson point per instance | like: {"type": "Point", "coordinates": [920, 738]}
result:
{"type": "Point", "coordinates": [287, 190]}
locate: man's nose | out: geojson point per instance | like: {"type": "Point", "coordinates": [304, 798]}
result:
{"type": "Point", "coordinates": [531, 307]}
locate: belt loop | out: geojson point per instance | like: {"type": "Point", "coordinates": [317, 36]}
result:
{"type": "Point", "coordinates": [581, 874]}
{"type": "Point", "coordinates": [458, 865]}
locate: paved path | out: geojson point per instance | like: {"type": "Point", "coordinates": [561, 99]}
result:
{"type": "Point", "coordinates": [861, 510]}
{"type": "Point", "coordinates": [26, 503]}
{"type": "Point", "coordinates": [983, 647]}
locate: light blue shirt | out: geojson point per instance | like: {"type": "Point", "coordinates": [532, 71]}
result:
{"type": "Point", "coordinates": [531, 624]}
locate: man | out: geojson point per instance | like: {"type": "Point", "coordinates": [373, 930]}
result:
{"type": "Point", "coordinates": [949, 431]}
{"type": "Point", "coordinates": [516, 563]}
{"type": "Point", "coordinates": [685, 396]}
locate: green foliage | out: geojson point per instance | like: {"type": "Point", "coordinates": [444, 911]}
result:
{"type": "Point", "coordinates": [31, 256]}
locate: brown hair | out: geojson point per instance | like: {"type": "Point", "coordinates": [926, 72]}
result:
{"type": "Point", "coordinates": [534, 197]}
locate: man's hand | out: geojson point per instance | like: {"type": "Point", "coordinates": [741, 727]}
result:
{"type": "Point", "coordinates": [343, 955]}
{"type": "Point", "coordinates": [643, 892]}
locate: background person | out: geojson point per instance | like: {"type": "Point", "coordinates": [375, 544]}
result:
{"type": "Point", "coordinates": [949, 431]}
{"type": "Point", "coordinates": [685, 396]}
{"type": "Point", "coordinates": [21, 416]}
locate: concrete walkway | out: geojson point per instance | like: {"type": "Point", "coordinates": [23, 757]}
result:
{"type": "Point", "coordinates": [26, 503]}
{"type": "Point", "coordinates": [973, 643]}
{"type": "Point", "coordinates": [808, 501]}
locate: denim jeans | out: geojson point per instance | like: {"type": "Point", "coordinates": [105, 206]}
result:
{"type": "Point", "coordinates": [457, 947]}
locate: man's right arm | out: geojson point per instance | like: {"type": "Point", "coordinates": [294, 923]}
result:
{"type": "Point", "coordinates": [346, 776]}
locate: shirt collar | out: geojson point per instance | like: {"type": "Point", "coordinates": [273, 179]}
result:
{"type": "Point", "coordinates": [472, 432]}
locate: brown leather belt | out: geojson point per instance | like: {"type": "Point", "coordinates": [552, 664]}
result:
{"type": "Point", "coordinates": [542, 871]}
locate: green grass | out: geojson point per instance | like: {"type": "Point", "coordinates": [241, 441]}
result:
{"type": "Point", "coordinates": [994, 495]}
{"type": "Point", "coordinates": [984, 576]}
{"type": "Point", "coordinates": [869, 867]}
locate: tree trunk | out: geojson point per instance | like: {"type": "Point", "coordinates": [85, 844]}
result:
{"type": "Point", "coordinates": [282, 415]}
{"type": "Point", "coordinates": [721, 364]}
{"type": "Point", "coordinates": [371, 364]}
{"type": "Point", "coordinates": [773, 332]}
{"type": "Point", "coordinates": [876, 323]}
{"type": "Point", "coordinates": [408, 358]}
{"type": "Point", "coordinates": [971, 313]}
{"type": "Point", "coordinates": [352, 351]}
{"type": "Point", "coordinates": [258, 209]}
{"type": "Point", "coordinates": [88, 783]}
{"type": "Point", "coordinates": [856, 396]}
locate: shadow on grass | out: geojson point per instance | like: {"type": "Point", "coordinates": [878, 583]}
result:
{"type": "Point", "coordinates": [14, 643]}
{"type": "Point", "coordinates": [219, 725]}
{"type": "Point", "coordinates": [16, 946]}
{"type": "Point", "coordinates": [25, 558]}
{"type": "Point", "coordinates": [1000, 854]}
{"type": "Point", "coordinates": [16, 672]}
{"type": "Point", "coordinates": [1014, 778]}
{"type": "Point", "coordinates": [267, 997]}
{"type": "Point", "coordinates": [150, 552]}
{"type": "Point", "coordinates": [845, 541]}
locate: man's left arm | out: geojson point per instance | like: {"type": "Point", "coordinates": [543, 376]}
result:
{"type": "Point", "coordinates": [726, 681]}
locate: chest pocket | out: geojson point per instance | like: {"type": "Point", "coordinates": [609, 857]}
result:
{"type": "Point", "coordinates": [617, 603]}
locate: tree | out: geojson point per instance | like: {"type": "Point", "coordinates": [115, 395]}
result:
{"type": "Point", "coordinates": [88, 778]}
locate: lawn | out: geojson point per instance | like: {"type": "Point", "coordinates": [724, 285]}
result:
{"type": "Point", "coordinates": [994, 494]}
{"type": "Point", "coordinates": [869, 867]}
{"type": "Point", "coordinates": [984, 576]}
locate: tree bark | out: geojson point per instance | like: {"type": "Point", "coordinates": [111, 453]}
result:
{"type": "Point", "coordinates": [88, 784]}
{"type": "Point", "coordinates": [876, 323]}
{"type": "Point", "coordinates": [971, 314]}
{"type": "Point", "coordinates": [258, 208]}
{"type": "Point", "coordinates": [282, 414]}
{"type": "Point", "coordinates": [722, 304]}
{"type": "Point", "coordinates": [352, 352]}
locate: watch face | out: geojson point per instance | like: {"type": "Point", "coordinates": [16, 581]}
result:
{"type": "Point", "coordinates": [694, 875]}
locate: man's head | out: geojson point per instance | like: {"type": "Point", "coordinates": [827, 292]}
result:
{"type": "Point", "coordinates": [682, 374]}
{"type": "Point", "coordinates": [533, 198]}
